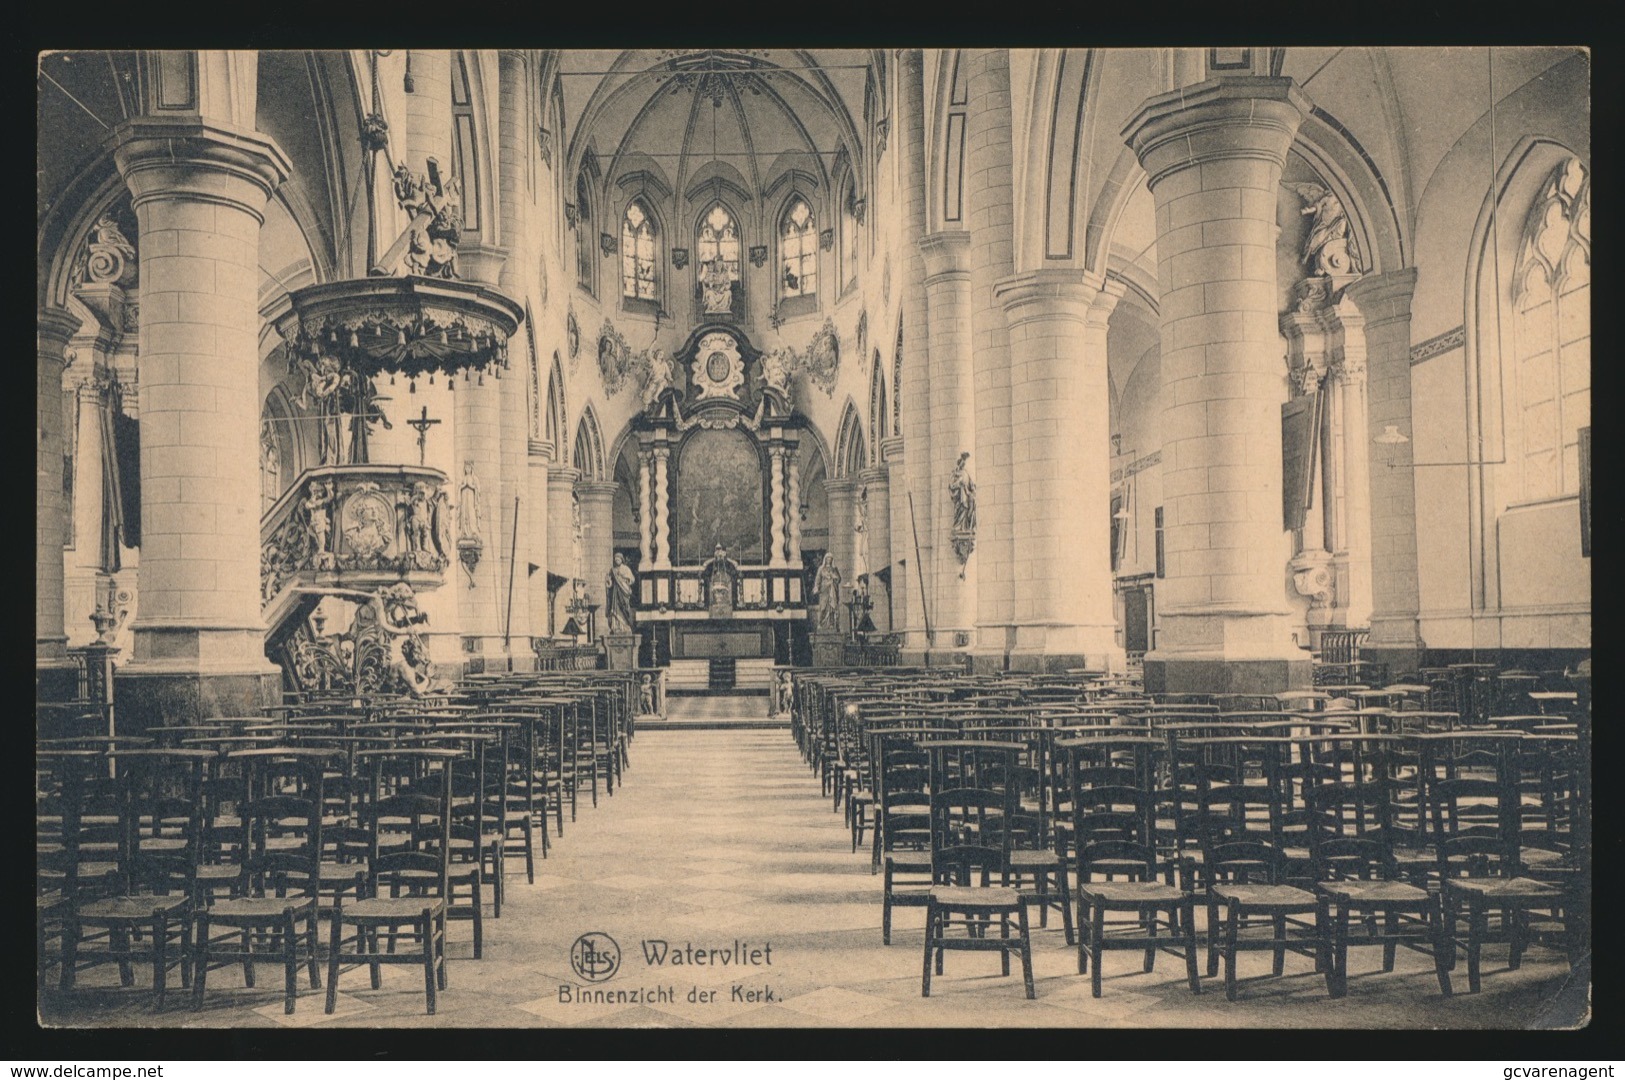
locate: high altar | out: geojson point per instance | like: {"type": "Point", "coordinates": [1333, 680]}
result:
{"type": "Point", "coordinates": [720, 572]}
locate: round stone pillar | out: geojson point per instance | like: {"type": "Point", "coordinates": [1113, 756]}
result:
{"type": "Point", "coordinates": [945, 404]}
{"type": "Point", "coordinates": [900, 553]}
{"type": "Point", "coordinates": [199, 191]}
{"type": "Point", "coordinates": [913, 476]}
{"type": "Point", "coordinates": [561, 546]}
{"type": "Point", "coordinates": [877, 527]}
{"type": "Point", "coordinates": [597, 541]}
{"type": "Point", "coordinates": [840, 493]}
{"type": "Point", "coordinates": [990, 210]}
{"type": "Point", "coordinates": [513, 142]}
{"type": "Point", "coordinates": [538, 536]}
{"type": "Point", "coordinates": [1385, 301]}
{"type": "Point", "coordinates": [55, 673]}
{"type": "Point", "coordinates": [1060, 471]}
{"type": "Point", "coordinates": [1213, 154]}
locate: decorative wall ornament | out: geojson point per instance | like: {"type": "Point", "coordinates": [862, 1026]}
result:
{"type": "Point", "coordinates": [718, 370]}
{"type": "Point", "coordinates": [826, 240]}
{"type": "Point", "coordinates": [607, 243]}
{"type": "Point", "coordinates": [544, 143]}
{"type": "Point", "coordinates": [679, 257]}
{"type": "Point", "coordinates": [1312, 576]}
{"type": "Point", "coordinates": [1438, 345]}
{"type": "Point", "coordinates": [758, 255]}
{"type": "Point", "coordinates": [859, 206]}
{"type": "Point", "coordinates": [383, 651]}
{"type": "Point", "coordinates": [572, 215]}
{"type": "Point", "coordinates": [882, 128]}
{"type": "Point", "coordinates": [572, 333]}
{"type": "Point", "coordinates": [962, 489]}
{"type": "Point", "coordinates": [1330, 249]}
{"type": "Point", "coordinates": [1312, 293]}
{"type": "Point", "coordinates": [823, 358]}
{"type": "Point", "coordinates": [885, 283]}
{"type": "Point", "coordinates": [615, 361]}
{"type": "Point", "coordinates": [863, 340]}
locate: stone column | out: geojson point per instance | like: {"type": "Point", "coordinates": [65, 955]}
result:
{"type": "Point", "coordinates": [1213, 154]}
{"type": "Point", "coordinates": [55, 673]}
{"type": "Point", "coordinates": [1351, 436]}
{"type": "Point", "coordinates": [561, 480]}
{"type": "Point", "coordinates": [840, 493]}
{"type": "Point", "coordinates": [945, 407]}
{"type": "Point", "coordinates": [990, 210]}
{"type": "Point", "coordinates": [878, 526]}
{"type": "Point", "coordinates": [515, 133]}
{"type": "Point", "coordinates": [1385, 301]}
{"type": "Point", "coordinates": [913, 474]}
{"type": "Point", "coordinates": [597, 541]}
{"type": "Point", "coordinates": [199, 190]}
{"type": "Point", "coordinates": [900, 551]}
{"type": "Point", "coordinates": [538, 526]}
{"type": "Point", "coordinates": [1060, 470]}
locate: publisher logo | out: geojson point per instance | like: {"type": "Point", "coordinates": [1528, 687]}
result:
{"type": "Point", "coordinates": [595, 957]}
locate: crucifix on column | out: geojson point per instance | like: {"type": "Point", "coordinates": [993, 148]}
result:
{"type": "Point", "coordinates": [423, 423]}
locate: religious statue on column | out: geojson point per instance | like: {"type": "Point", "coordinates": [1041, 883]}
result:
{"type": "Point", "coordinates": [468, 504]}
{"type": "Point", "coordinates": [962, 489]}
{"type": "Point", "coordinates": [860, 540]}
{"type": "Point", "coordinates": [619, 585]}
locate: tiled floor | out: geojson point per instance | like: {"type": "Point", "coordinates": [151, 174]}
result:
{"type": "Point", "coordinates": [720, 840]}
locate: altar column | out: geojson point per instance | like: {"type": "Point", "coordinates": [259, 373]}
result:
{"type": "Point", "coordinates": [662, 539]}
{"type": "Point", "coordinates": [646, 508]}
{"type": "Point", "coordinates": [776, 500]}
{"type": "Point", "coordinates": [597, 541]}
{"type": "Point", "coordinates": [199, 186]}
{"type": "Point", "coordinates": [55, 673]}
{"type": "Point", "coordinates": [1213, 154]}
{"type": "Point", "coordinates": [792, 484]}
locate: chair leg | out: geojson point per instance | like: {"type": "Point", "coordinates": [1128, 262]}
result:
{"type": "Point", "coordinates": [1340, 954]}
{"type": "Point", "coordinates": [1187, 915]}
{"type": "Point", "coordinates": [119, 938]}
{"type": "Point", "coordinates": [1150, 922]}
{"type": "Point", "coordinates": [1232, 924]}
{"type": "Point", "coordinates": [160, 957]}
{"type": "Point", "coordinates": [1026, 955]}
{"type": "Point", "coordinates": [1065, 890]}
{"type": "Point", "coordinates": [1444, 949]}
{"type": "Point", "coordinates": [333, 960]}
{"type": "Point", "coordinates": [425, 927]}
{"type": "Point", "coordinates": [1213, 925]}
{"type": "Point", "coordinates": [885, 909]}
{"type": "Point", "coordinates": [530, 854]}
{"type": "Point", "coordinates": [930, 936]}
{"type": "Point", "coordinates": [1477, 918]}
{"type": "Point", "coordinates": [70, 953]}
{"type": "Point", "coordinates": [1516, 935]}
{"type": "Point", "coordinates": [1097, 935]}
{"type": "Point", "coordinates": [290, 960]}
{"type": "Point", "coordinates": [310, 945]}
{"type": "Point", "coordinates": [248, 958]}
{"type": "Point", "coordinates": [200, 965]}
{"type": "Point", "coordinates": [440, 948]}
{"type": "Point", "coordinates": [1278, 929]}
{"type": "Point", "coordinates": [479, 921]}
{"type": "Point", "coordinates": [1390, 946]}
{"type": "Point", "coordinates": [1004, 934]}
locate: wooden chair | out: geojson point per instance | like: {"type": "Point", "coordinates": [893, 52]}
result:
{"type": "Point", "coordinates": [406, 888]}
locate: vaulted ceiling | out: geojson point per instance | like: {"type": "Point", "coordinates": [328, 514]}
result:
{"type": "Point", "coordinates": [754, 112]}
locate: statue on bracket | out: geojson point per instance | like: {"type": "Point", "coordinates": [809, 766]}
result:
{"type": "Point", "coordinates": [619, 586]}
{"type": "Point", "coordinates": [778, 369]}
{"type": "Point", "coordinates": [470, 545]}
{"type": "Point", "coordinates": [716, 288]}
{"type": "Point", "coordinates": [962, 489]}
{"type": "Point", "coordinates": [860, 540]}
{"type": "Point", "coordinates": [827, 595]}
{"type": "Point", "coordinates": [1330, 248]}
{"type": "Point", "coordinates": [661, 381]}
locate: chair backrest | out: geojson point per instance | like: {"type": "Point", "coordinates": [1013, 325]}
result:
{"type": "Point", "coordinates": [281, 840]}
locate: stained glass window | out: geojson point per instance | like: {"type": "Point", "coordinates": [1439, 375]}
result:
{"type": "Point", "coordinates": [1552, 300]}
{"type": "Point", "coordinates": [799, 250]}
{"type": "Point", "coordinates": [719, 241]}
{"type": "Point", "coordinates": [637, 254]}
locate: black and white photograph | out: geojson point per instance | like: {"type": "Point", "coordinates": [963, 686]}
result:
{"type": "Point", "coordinates": [951, 538]}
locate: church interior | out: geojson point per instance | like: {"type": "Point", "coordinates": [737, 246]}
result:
{"type": "Point", "coordinates": [563, 508]}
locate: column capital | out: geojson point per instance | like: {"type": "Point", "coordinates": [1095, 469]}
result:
{"type": "Point", "coordinates": [879, 474]}
{"type": "Point", "coordinates": [1384, 298]}
{"type": "Point", "coordinates": [1228, 117]}
{"type": "Point", "coordinates": [540, 448]}
{"type": "Point", "coordinates": [1044, 295]}
{"type": "Point", "coordinates": [195, 158]}
{"type": "Point", "coordinates": [563, 475]}
{"type": "Point", "coordinates": [891, 449]}
{"type": "Point", "coordinates": [945, 253]}
{"type": "Point", "coordinates": [597, 489]}
{"type": "Point", "coordinates": [844, 485]}
{"type": "Point", "coordinates": [54, 329]}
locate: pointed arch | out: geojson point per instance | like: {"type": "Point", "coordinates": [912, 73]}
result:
{"type": "Point", "coordinates": [880, 422]}
{"type": "Point", "coordinates": [588, 453]}
{"type": "Point", "coordinates": [897, 379]}
{"type": "Point", "coordinates": [851, 451]}
{"type": "Point", "coordinates": [554, 425]}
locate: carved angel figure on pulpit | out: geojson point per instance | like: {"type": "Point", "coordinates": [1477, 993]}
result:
{"type": "Point", "coordinates": [445, 544]}
{"type": "Point", "coordinates": [323, 383]}
{"type": "Point", "coordinates": [318, 524]}
{"type": "Point", "coordinates": [1330, 247]}
{"type": "Point", "coordinates": [420, 526]}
